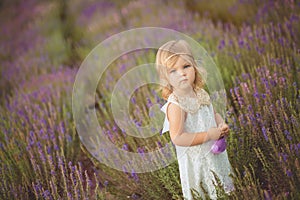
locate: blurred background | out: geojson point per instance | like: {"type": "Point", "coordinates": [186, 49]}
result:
{"type": "Point", "coordinates": [255, 45]}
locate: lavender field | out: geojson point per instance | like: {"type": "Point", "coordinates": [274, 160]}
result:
{"type": "Point", "coordinates": [255, 44]}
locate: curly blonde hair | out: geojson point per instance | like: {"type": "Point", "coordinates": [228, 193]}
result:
{"type": "Point", "coordinates": [166, 56]}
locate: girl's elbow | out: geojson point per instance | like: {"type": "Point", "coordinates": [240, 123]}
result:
{"type": "Point", "coordinates": [175, 138]}
{"type": "Point", "coordinates": [176, 142]}
{"type": "Point", "coordinates": [178, 137]}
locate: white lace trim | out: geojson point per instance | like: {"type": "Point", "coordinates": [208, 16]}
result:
{"type": "Point", "coordinates": [190, 104]}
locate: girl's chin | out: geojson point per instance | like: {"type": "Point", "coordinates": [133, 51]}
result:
{"type": "Point", "coordinates": [186, 87]}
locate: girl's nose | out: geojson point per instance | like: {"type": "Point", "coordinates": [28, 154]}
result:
{"type": "Point", "coordinates": [182, 73]}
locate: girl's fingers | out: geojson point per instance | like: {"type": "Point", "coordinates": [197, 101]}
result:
{"type": "Point", "coordinates": [224, 128]}
{"type": "Point", "coordinates": [225, 132]}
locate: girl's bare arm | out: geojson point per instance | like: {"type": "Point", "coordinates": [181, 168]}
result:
{"type": "Point", "coordinates": [176, 117]}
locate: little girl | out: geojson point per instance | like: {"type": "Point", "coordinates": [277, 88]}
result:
{"type": "Point", "coordinates": [191, 121]}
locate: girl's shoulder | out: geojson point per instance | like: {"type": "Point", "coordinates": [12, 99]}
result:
{"type": "Point", "coordinates": [173, 99]}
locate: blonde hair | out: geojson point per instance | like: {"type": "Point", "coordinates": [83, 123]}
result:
{"type": "Point", "coordinates": [166, 56]}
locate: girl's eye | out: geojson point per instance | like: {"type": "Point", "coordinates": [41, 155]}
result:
{"type": "Point", "coordinates": [172, 71]}
{"type": "Point", "coordinates": [186, 66]}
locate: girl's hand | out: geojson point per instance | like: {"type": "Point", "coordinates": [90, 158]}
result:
{"type": "Point", "coordinates": [214, 133]}
{"type": "Point", "coordinates": [224, 129]}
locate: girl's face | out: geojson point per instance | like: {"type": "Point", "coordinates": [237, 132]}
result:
{"type": "Point", "coordinates": [181, 75]}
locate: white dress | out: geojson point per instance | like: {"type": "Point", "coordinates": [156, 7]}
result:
{"type": "Point", "coordinates": [196, 163]}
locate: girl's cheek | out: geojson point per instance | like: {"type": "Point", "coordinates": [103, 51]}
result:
{"type": "Point", "coordinates": [174, 75]}
{"type": "Point", "coordinates": [173, 79]}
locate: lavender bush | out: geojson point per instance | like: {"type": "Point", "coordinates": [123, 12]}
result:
{"type": "Point", "coordinates": [255, 44]}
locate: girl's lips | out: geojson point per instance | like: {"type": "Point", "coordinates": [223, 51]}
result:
{"type": "Point", "coordinates": [183, 80]}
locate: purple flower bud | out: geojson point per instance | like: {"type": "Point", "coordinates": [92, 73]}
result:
{"type": "Point", "coordinates": [47, 194]}
{"type": "Point", "coordinates": [115, 129]}
{"type": "Point", "coordinates": [265, 133]}
{"type": "Point", "coordinates": [125, 147]}
{"type": "Point", "coordinates": [141, 151]}
{"type": "Point", "coordinates": [135, 196]}
{"type": "Point", "coordinates": [241, 43]}
{"type": "Point", "coordinates": [159, 144]}
{"type": "Point", "coordinates": [289, 173]}
{"type": "Point", "coordinates": [287, 134]}
{"type": "Point", "coordinates": [105, 183]}
{"type": "Point", "coordinates": [221, 45]}
{"type": "Point", "coordinates": [149, 102]}
{"type": "Point", "coordinates": [283, 156]}
{"type": "Point", "coordinates": [122, 68]}
{"type": "Point", "coordinates": [134, 176]}
{"type": "Point", "coordinates": [133, 100]}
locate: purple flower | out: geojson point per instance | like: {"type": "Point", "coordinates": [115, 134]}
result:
{"type": "Point", "coordinates": [137, 123]}
{"type": "Point", "coordinates": [134, 176]}
{"type": "Point", "coordinates": [281, 41]}
{"type": "Point", "coordinates": [41, 152]}
{"type": "Point", "coordinates": [124, 169]}
{"type": "Point", "coordinates": [47, 194]}
{"type": "Point", "coordinates": [241, 43]}
{"type": "Point", "coordinates": [149, 103]}
{"type": "Point", "coordinates": [241, 101]}
{"type": "Point", "coordinates": [287, 134]}
{"type": "Point", "coordinates": [105, 183]}
{"type": "Point", "coordinates": [133, 100]}
{"type": "Point", "coordinates": [267, 195]}
{"type": "Point", "coordinates": [125, 147]}
{"type": "Point", "coordinates": [221, 45]}
{"type": "Point", "coordinates": [122, 68]}
{"type": "Point", "coordinates": [159, 144]}
{"type": "Point", "coordinates": [135, 196]}
{"type": "Point", "coordinates": [265, 133]}
{"type": "Point", "coordinates": [264, 39]}
{"type": "Point", "coordinates": [115, 129]}
{"type": "Point", "coordinates": [289, 173]}
{"type": "Point", "coordinates": [62, 127]}
{"type": "Point", "coordinates": [236, 91]}
{"type": "Point", "coordinates": [56, 147]}
{"type": "Point", "coordinates": [37, 187]}
{"type": "Point", "coordinates": [256, 95]}
{"type": "Point", "coordinates": [108, 132]}
{"type": "Point", "coordinates": [69, 195]}
{"type": "Point", "coordinates": [141, 151]}
{"type": "Point", "coordinates": [246, 76]}
{"type": "Point", "coordinates": [49, 150]}
{"type": "Point", "coordinates": [69, 138]}
{"type": "Point", "coordinates": [284, 156]}
{"type": "Point", "coordinates": [278, 61]}
{"type": "Point", "coordinates": [294, 121]}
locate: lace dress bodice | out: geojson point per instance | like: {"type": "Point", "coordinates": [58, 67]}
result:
{"type": "Point", "coordinates": [199, 118]}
